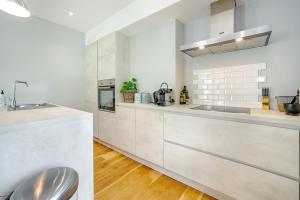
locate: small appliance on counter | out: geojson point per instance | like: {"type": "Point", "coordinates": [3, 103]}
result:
{"type": "Point", "coordinates": [163, 96]}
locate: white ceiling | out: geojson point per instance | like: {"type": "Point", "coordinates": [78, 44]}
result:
{"type": "Point", "coordinates": [87, 13]}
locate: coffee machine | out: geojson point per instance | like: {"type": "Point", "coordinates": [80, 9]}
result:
{"type": "Point", "coordinates": [163, 96]}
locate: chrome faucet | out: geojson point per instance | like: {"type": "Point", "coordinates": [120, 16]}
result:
{"type": "Point", "coordinates": [14, 102]}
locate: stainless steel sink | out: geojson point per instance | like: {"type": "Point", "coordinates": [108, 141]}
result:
{"type": "Point", "coordinates": [31, 106]}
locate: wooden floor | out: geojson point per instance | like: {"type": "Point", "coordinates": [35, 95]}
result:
{"type": "Point", "coordinates": [117, 177]}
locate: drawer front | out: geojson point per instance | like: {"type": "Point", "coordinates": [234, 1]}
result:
{"type": "Point", "coordinates": [236, 180]}
{"type": "Point", "coordinates": [271, 148]}
{"type": "Point", "coordinates": [149, 135]}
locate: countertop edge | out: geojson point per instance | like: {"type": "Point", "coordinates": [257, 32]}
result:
{"type": "Point", "coordinates": [259, 119]}
{"type": "Point", "coordinates": [73, 115]}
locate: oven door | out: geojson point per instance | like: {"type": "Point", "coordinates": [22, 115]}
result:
{"type": "Point", "coordinates": [106, 98]}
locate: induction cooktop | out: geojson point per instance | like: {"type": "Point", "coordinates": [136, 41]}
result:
{"type": "Point", "coordinates": [223, 109]}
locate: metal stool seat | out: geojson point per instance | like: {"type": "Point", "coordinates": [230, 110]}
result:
{"type": "Point", "coordinates": [53, 184]}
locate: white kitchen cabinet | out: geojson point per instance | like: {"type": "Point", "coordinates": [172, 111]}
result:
{"type": "Point", "coordinates": [271, 148]}
{"type": "Point", "coordinates": [106, 123]}
{"type": "Point", "coordinates": [149, 135]}
{"type": "Point", "coordinates": [123, 135]}
{"type": "Point", "coordinates": [231, 178]}
{"type": "Point", "coordinates": [118, 129]}
{"type": "Point", "coordinates": [108, 44]}
{"type": "Point", "coordinates": [107, 67]}
{"type": "Point", "coordinates": [113, 58]}
{"type": "Point", "coordinates": [90, 75]}
{"type": "Point", "coordinates": [107, 55]}
{"type": "Point", "coordinates": [90, 84]}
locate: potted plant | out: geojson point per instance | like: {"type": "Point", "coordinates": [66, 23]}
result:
{"type": "Point", "coordinates": [129, 88]}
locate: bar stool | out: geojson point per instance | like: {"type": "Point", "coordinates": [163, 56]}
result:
{"type": "Point", "coordinates": [59, 183]}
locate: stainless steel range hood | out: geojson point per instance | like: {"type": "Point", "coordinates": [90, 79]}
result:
{"type": "Point", "coordinates": [222, 23]}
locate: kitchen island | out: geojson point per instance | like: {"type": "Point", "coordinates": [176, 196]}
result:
{"type": "Point", "coordinates": [226, 155]}
{"type": "Point", "coordinates": [34, 140]}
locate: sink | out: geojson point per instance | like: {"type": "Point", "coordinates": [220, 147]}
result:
{"type": "Point", "coordinates": [32, 106]}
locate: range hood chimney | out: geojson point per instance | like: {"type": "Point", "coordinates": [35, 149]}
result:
{"type": "Point", "coordinates": [223, 36]}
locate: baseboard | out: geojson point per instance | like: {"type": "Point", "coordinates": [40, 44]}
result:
{"type": "Point", "coordinates": [193, 184]}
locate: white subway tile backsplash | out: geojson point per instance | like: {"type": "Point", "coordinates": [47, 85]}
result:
{"type": "Point", "coordinates": [237, 74]}
{"type": "Point", "coordinates": [202, 97]}
{"type": "Point", "coordinates": [261, 79]}
{"type": "Point", "coordinates": [250, 79]}
{"type": "Point", "coordinates": [253, 98]}
{"type": "Point", "coordinates": [250, 73]}
{"type": "Point", "coordinates": [218, 91]}
{"type": "Point", "coordinates": [204, 87]}
{"type": "Point", "coordinates": [208, 81]}
{"type": "Point", "coordinates": [230, 86]}
{"type": "Point", "coordinates": [212, 97]}
{"type": "Point", "coordinates": [219, 81]}
{"type": "Point", "coordinates": [213, 87]}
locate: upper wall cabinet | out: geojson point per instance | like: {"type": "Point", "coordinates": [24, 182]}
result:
{"type": "Point", "coordinates": [107, 67]}
{"type": "Point", "coordinates": [107, 56]}
{"type": "Point", "coordinates": [90, 75]}
{"type": "Point", "coordinates": [107, 44]}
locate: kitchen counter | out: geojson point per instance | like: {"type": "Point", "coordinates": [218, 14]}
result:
{"type": "Point", "coordinates": [34, 140]}
{"type": "Point", "coordinates": [11, 119]}
{"type": "Point", "coordinates": [257, 116]}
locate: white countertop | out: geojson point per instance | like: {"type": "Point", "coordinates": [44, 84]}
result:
{"type": "Point", "coordinates": [22, 117]}
{"type": "Point", "coordinates": [257, 116]}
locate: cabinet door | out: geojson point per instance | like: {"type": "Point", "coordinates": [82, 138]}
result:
{"type": "Point", "coordinates": [107, 44]}
{"type": "Point", "coordinates": [106, 125]}
{"type": "Point", "coordinates": [107, 67]}
{"type": "Point", "coordinates": [236, 180]}
{"type": "Point", "coordinates": [149, 135]}
{"type": "Point", "coordinates": [123, 129]}
{"type": "Point", "coordinates": [90, 75]}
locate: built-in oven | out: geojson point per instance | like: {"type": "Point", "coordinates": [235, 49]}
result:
{"type": "Point", "coordinates": [106, 95]}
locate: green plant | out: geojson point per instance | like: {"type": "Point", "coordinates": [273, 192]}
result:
{"type": "Point", "coordinates": [129, 85]}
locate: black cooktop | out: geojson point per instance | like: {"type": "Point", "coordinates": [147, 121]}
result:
{"type": "Point", "coordinates": [223, 109]}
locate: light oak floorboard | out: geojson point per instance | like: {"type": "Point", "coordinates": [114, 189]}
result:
{"type": "Point", "coordinates": [117, 177]}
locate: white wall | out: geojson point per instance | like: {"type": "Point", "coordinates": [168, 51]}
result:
{"type": "Point", "coordinates": [155, 57]}
{"type": "Point", "coordinates": [48, 56]}
{"type": "Point", "coordinates": [134, 12]}
{"type": "Point", "coordinates": [152, 57]}
{"type": "Point", "coordinates": [281, 56]}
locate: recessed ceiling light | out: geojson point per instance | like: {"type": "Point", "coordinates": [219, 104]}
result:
{"type": "Point", "coordinates": [14, 7]}
{"type": "Point", "coordinates": [239, 39]}
{"type": "Point", "coordinates": [71, 13]}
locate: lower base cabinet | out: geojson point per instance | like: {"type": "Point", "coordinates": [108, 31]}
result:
{"type": "Point", "coordinates": [233, 179]}
{"type": "Point", "coordinates": [150, 135]}
{"type": "Point", "coordinates": [118, 128]}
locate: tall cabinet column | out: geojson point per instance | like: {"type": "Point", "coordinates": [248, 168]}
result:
{"type": "Point", "coordinates": [90, 83]}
